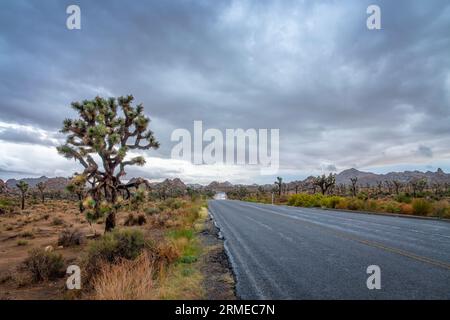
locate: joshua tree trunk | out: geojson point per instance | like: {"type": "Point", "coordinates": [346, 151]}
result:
{"type": "Point", "coordinates": [80, 202]}
{"type": "Point", "coordinates": [110, 222]}
{"type": "Point", "coordinates": [23, 201]}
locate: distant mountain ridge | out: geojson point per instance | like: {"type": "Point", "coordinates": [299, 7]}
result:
{"type": "Point", "coordinates": [57, 183]}
{"type": "Point", "coordinates": [364, 178]}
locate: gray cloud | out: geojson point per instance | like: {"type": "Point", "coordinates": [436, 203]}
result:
{"type": "Point", "coordinates": [20, 135]}
{"type": "Point", "coordinates": [425, 152]}
{"type": "Point", "coordinates": [338, 92]}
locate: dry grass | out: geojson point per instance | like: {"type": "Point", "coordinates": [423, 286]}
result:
{"type": "Point", "coordinates": [126, 280]}
{"type": "Point", "coordinates": [183, 281]}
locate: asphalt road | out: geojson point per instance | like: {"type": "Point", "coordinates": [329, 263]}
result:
{"type": "Point", "coordinates": [281, 252]}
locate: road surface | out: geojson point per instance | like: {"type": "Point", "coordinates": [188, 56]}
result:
{"type": "Point", "coordinates": [281, 252]}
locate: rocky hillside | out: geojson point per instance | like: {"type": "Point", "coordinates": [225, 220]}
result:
{"type": "Point", "coordinates": [55, 184]}
{"type": "Point", "coordinates": [365, 178]}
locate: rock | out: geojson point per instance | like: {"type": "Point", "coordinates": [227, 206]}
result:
{"type": "Point", "coordinates": [48, 249]}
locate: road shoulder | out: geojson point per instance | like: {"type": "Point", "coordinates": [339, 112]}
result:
{"type": "Point", "coordinates": [218, 279]}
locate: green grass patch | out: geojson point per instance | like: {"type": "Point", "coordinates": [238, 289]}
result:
{"type": "Point", "coordinates": [182, 233]}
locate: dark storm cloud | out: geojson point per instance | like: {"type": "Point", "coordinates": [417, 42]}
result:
{"type": "Point", "coordinates": [338, 92]}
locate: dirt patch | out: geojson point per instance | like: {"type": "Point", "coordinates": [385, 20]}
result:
{"type": "Point", "coordinates": [38, 226]}
{"type": "Point", "coordinates": [218, 279]}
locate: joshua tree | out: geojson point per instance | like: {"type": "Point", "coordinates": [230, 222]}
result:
{"type": "Point", "coordinates": [23, 188]}
{"type": "Point", "coordinates": [242, 192]}
{"type": "Point", "coordinates": [397, 186]}
{"type": "Point", "coordinates": [286, 188]}
{"type": "Point", "coordinates": [296, 186]}
{"type": "Point", "coordinates": [325, 182]}
{"type": "Point", "coordinates": [77, 185]}
{"type": "Point", "coordinates": [380, 187]}
{"type": "Point", "coordinates": [353, 187]}
{"type": "Point", "coordinates": [41, 187]}
{"type": "Point", "coordinates": [192, 193]}
{"type": "Point", "coordinates": [418, 185]}
{"type": "Point", "coordinates": [437, 187]}
{"type": "Point", "coordinates": [389, 185]}
{"type": "Point", "coordinates": [342, 189]}
{"type": "Point", "coordinates": [104, 128]}
{"type": "Point", "coordinates": [279, 184]}
{"type": "Point", "coordinates": [3, 187]}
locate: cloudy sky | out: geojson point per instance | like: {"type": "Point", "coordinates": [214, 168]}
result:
{"type": "Point", "coordinates": [342, 95]}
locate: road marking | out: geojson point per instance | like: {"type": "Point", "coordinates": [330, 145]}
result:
{"type": "Point", "coordinates": [366, 242]}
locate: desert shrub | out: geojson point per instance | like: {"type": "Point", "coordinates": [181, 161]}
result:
{"type": "Point", "coordinates": [22, 242]}
{"type": "Point", "coordinates": [126, 244]}
{"type": "Point", "coordinates": [403, 197]}
{"type": "Point", "coordinates": [43, 265]}
{"type": "Point", "coordinates": [46, 216]}
{"type": "Point", "coordinates": [441, 209]}
{"type": "Point", "coordinates": [316, 200]}
{"type": "Point", "coordinates": [138, 198]}
{"type": "Point", "coordinates": [362, 195]}
{"type": "Point", "coordinates": [355, 204]}
{"type": "Point", "coordinates": [132, 220]}
{"type": "Point", "coordinates": [161, 206]}
{"type": "Point", "coordinates": [126, 280]}
{"type": "Point", "coordinates": [7, 205]}
{"type": "Point", "coordinates": [421, 207]}
{"type": "Point", "coordinates": [70, 237]}
{"type": "Point", "coordinates": [166, 253]}
{"type": "Point", "coordinates": [305, 200]}
{"type": "Point", "coordinates": [330, 202]}
{"type": "Point", "coordinates": [392, 207]}
{"type": "Point", "coordinates": [161, 219]}
{"type": "Point", "coordinates": [193, 214]}
{"type": "Point", "coordinates": [292, 199]}
{"type": "Point", "coordinates": [57, 221]}
{"type": "Point", "coordinates": [173, 203]}
{"type": "Point", "coordinates": [27, 234]}
{"type": "Point", "coordinates": [372, 205]}
{"type": "Point", "coordinates": [113, 246]}
{"type": "Point", "coordinates": [151, 211]}
{"type": "Point", "coordinates": [343, 204]}
{"type": "Point", "coordinates": [406, 208]}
